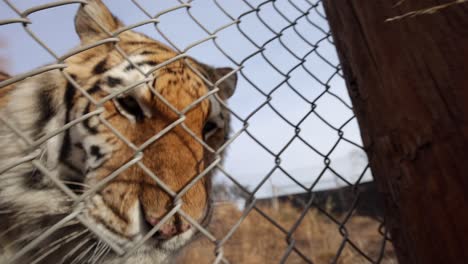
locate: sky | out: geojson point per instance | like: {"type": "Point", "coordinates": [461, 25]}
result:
{"type": "Point", "coordinates": [247, 161]}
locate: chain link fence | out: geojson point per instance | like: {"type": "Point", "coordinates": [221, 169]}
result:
{"type": "Point", "coordinates": [293, 57]}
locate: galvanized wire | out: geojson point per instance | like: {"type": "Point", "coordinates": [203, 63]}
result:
{"type": "Point", "coordinates": [307, 11]}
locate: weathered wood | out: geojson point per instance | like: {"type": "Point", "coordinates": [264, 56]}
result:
{"type": "Point", "coordinates": [408, 80]}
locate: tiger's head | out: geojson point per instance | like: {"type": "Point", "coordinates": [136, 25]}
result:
{"type": "Point", "coordinates": [143, 129]}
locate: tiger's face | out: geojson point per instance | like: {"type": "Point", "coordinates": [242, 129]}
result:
{"type": "Point", "coordinates": [138, 154]}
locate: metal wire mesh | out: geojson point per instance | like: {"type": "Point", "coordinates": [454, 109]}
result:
{"type": "Point", "coordinates": [306, 11]}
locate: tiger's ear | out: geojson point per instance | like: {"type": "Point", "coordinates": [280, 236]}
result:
{"type": "Point", "coordinates": [228, 84]}
{"type": "Point", "coordinates": [92, 21]}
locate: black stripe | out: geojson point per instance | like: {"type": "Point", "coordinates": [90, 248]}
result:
{"type": "Point", "coordinates": [72, 167]}
{"type": "Point", "coordinates": [79, 146]}
{"type": "Point", "coordinates": [91, 130]}
{"type": "Point", "coordinates": [150, 63]}
{"type": "Point", "coordinates": [147, 43]}
{"type": "Point", "coordinates": [68, 99]}
{"type": "Point", "coordinates": [113, 81]}
{"type": "Point", "coordinates": [94, 89]}
{"type": "Point", "coordinates": [46, 107]}
{"type": "Point", "coordinates": [148, 52]}
{"type": "Point", "coordinates": [129, 67]}
{"type": "Point", "coordinates": [69, 95]}
{"type": "Point", "coordinates": [100, 67]}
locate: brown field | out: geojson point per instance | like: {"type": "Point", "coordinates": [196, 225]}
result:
{"type": "Point", "coordinates": [258, 241]}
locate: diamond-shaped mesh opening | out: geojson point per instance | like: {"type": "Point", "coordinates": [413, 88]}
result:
{"type": "Point", "coordinates": [279, 168]}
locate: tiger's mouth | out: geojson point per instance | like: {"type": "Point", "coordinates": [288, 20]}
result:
{"type": "Point", "coordinates": [135, 232]}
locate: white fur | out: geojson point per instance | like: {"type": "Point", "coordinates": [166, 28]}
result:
{"type": "Point", "coordinates": [22, 112]}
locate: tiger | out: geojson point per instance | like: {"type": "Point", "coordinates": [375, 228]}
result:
{"type": "Point", "coordinates": [102, 131]}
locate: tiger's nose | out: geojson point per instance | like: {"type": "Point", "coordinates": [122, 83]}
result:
{"type": "Point", "coordinates": [169, 229]}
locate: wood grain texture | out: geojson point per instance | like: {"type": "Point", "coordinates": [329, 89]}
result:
{"type": "Point", "coordinates": [408, 81]}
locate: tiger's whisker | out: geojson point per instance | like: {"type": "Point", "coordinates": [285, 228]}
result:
{"type": "Point", "coordinates": [83, 254]}
{"type": "Point", "coordinates": [47, 250]}
{"type": "Point", "coordinates": [9, 229]}
{"type": "Point", "coordinates": [96, 249]}
{"type": "Point", "coordinates": [73, 251]}
{"type": "Point", "coordinates": [57, 246]}
{"type": "Point", "coordinates": [103, 254]}
{"type": "Point", "coordinates": [33, 234]}
{"type": "Point", "coordinates": [100, 252]}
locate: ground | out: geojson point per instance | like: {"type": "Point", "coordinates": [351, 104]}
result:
{"type": "Point", "coordinates": [257, 241]}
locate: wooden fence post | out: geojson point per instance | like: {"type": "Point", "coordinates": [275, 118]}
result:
{"type": "Point", "coordinates": [408, 80]}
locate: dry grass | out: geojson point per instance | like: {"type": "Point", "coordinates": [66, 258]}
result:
{"type": "Point", "coordinates": [258, 241]}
